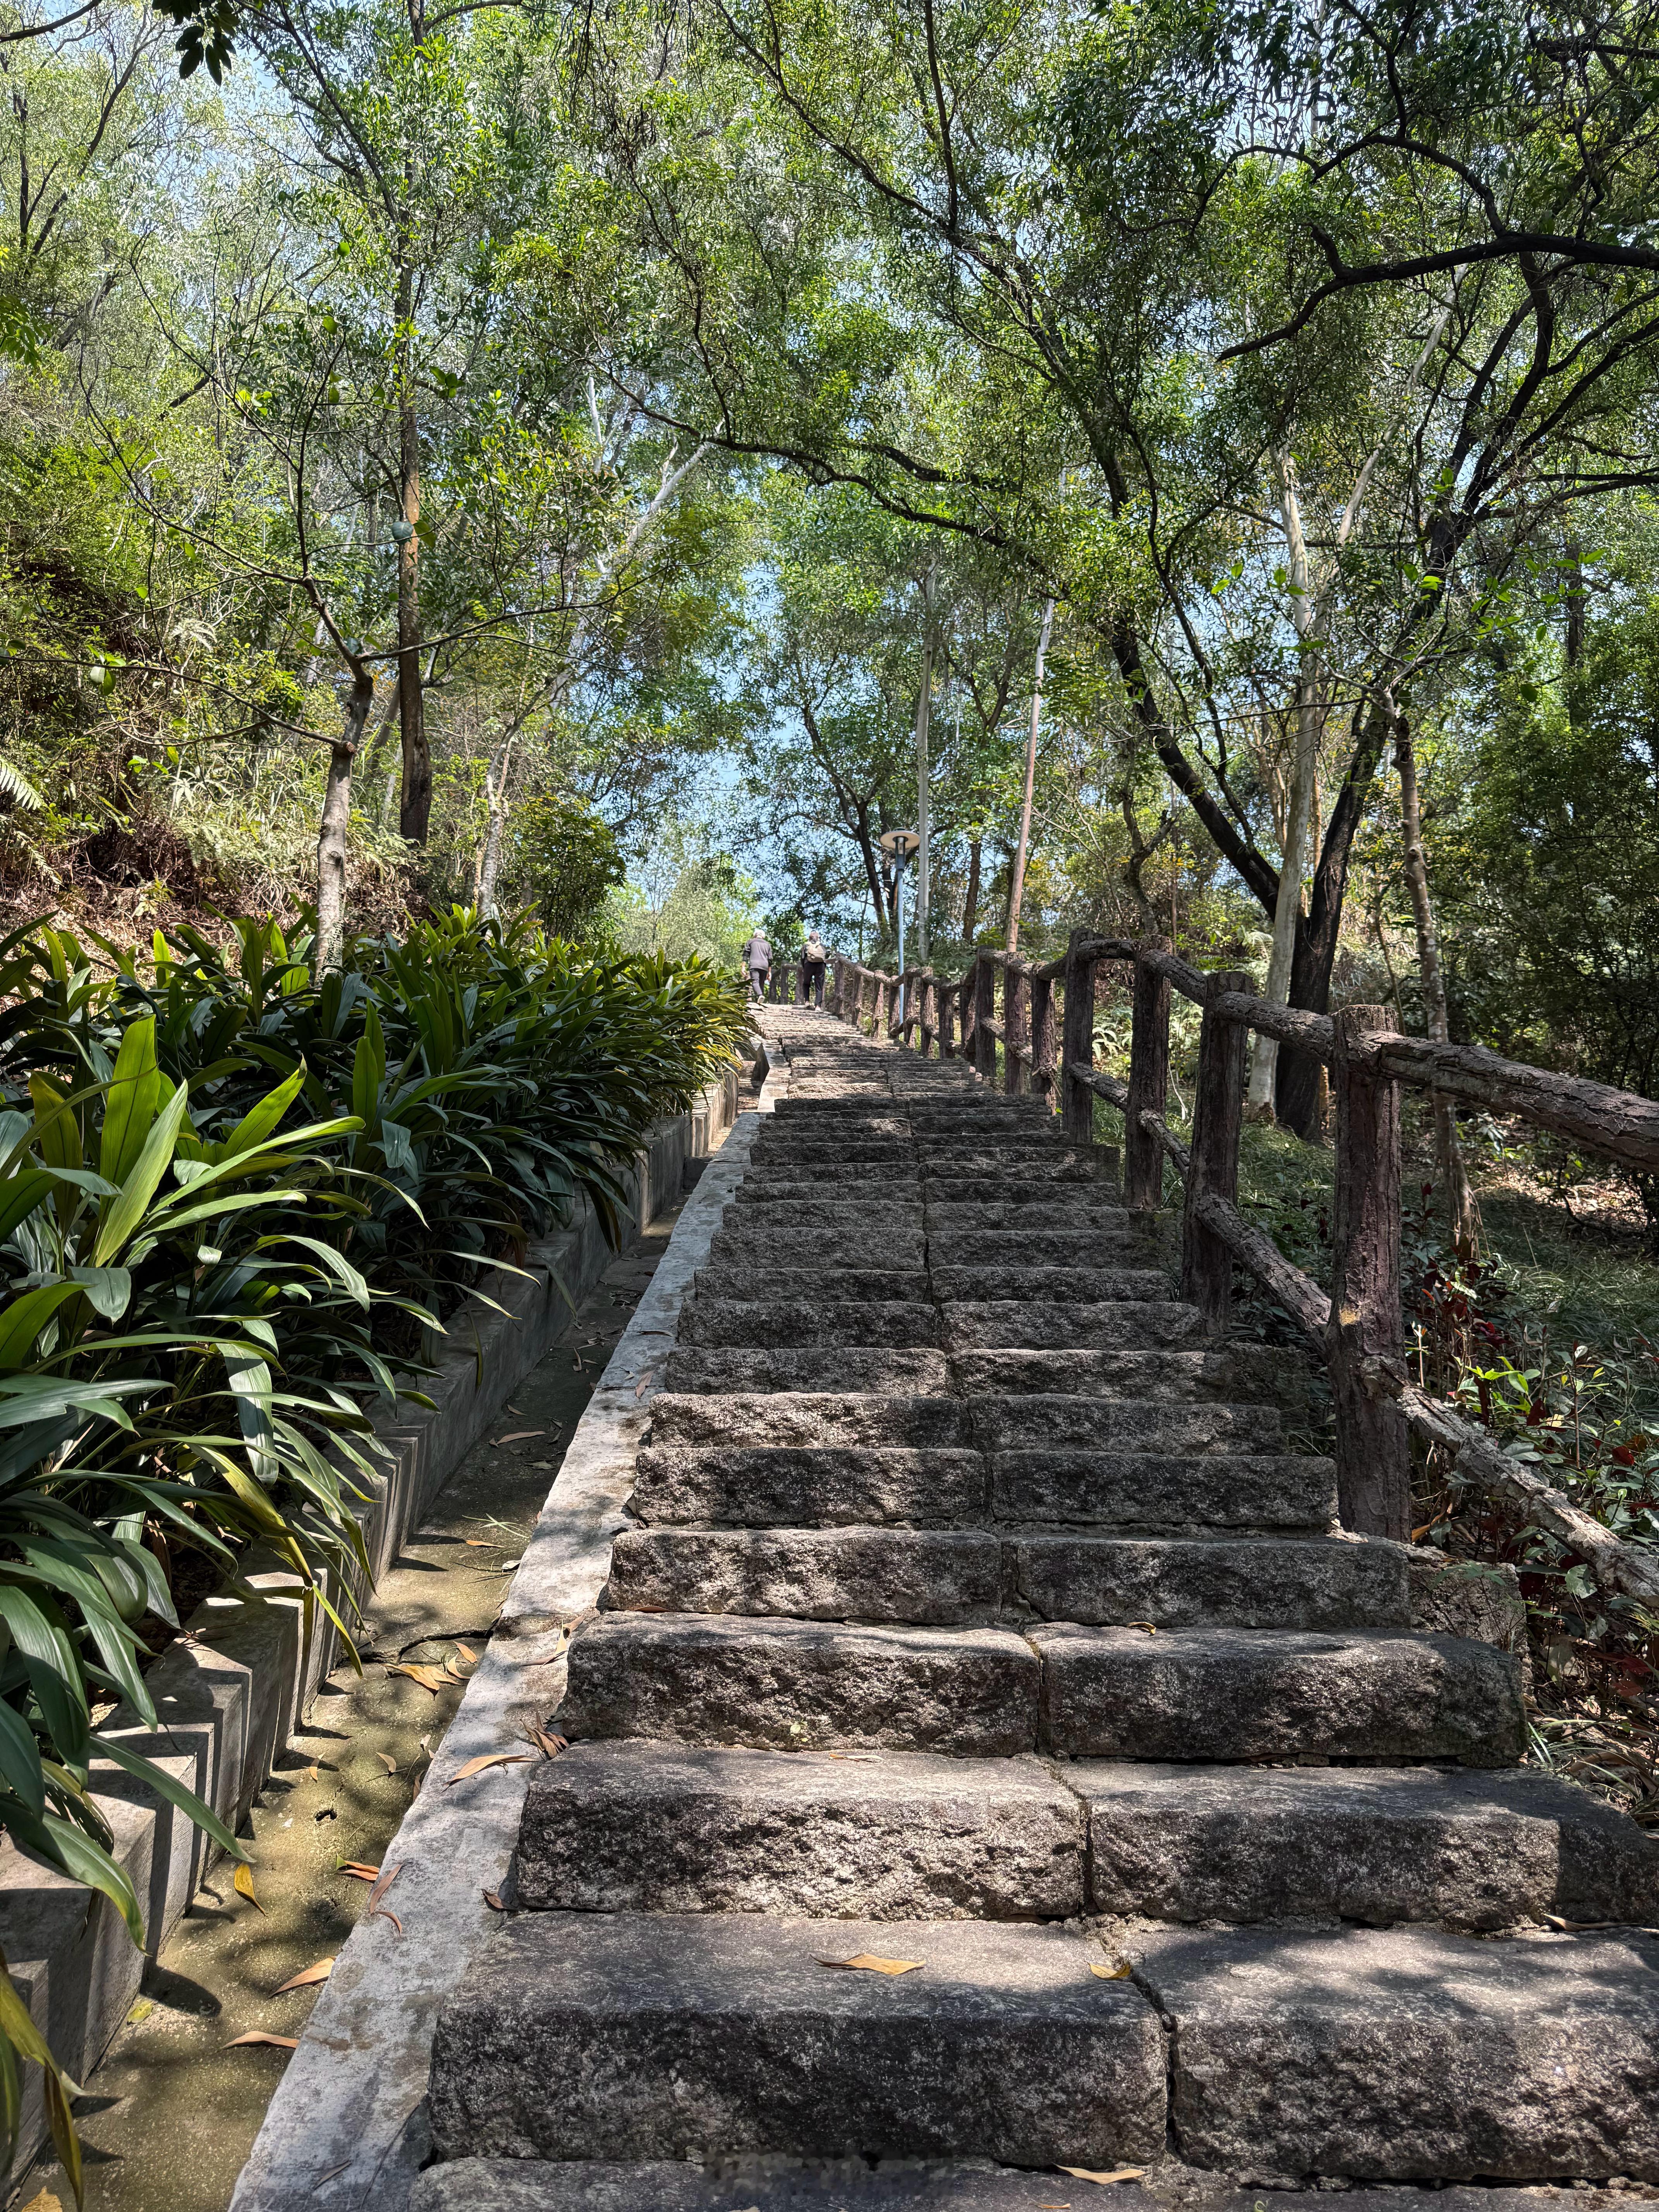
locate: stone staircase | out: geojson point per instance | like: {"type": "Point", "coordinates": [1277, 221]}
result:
{"type": "Point", "coordinates": [977, 1613]}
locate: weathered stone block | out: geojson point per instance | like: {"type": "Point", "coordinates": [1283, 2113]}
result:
{"type": "Point", "coordinates": [1263, 1582]}
{"type": "Point", "coordinates": [827, 1486]}
{"type": "Point", "coordinates": [937, 1577]}
{"type": "Point", "coordinates": [814, 1418]}
{"type": "Point", "coordinates": [1261, 1693]}
{"type": "Point", "coordinates": [640, 1827]}
{"type": "Point", "coordinates": [808, 1320]}
{"type": "Point", "coordinates": [808, 1367]}
{"type": "Point", "coordinates": [1370, 1844]}
{"type": "Point", "coordinates": [796, 1685]}
{"type": "Point", "coordinates": [669, 2036]}
{"type": "Point", "coordinates": [1021, 1424]}
{"type": "Point", "coordinates": [981, 1324]}
{"type": "Point", "coordinates": [1149, 1490]}
{"type": "Point", "coordinates": [1412, 2053]}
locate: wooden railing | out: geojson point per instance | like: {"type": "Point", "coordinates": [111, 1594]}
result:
{"type": "Point", "coordinates": [1358, 1329]}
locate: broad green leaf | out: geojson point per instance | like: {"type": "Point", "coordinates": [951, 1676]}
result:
{"type": "Point", "coordinates": [109, 1290]}
{"type": "Point", "coordinates": [123, 1214]}
{"type": "Point", "coordinates": [24, 1319]}
{"type": "Point", "coordinates": [54, 1670]}
{"type": "Point", "coordinates": [20, 1759]}
{"type": "Point", "coordinates": [19, 1195]}
{"type": "Point", "coordinates": [251, 1131]}
{"type": "Point", "coordinates": [129, 1105]}
{"type": "Point", "coordinates": [158, 1779]}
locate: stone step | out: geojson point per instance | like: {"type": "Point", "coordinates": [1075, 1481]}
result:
{"type": "Point", "coordinates": [901, 1169]}
{"type": "Point", "coordinates": [949, 1577]}
{"type": "Point", "coordinates": [649, 1827]}
{"type": "Point", "coordinates": [1236, 1693]}
{"type": "Point", "coordinates": [1007, 1280]}
{"type": "Point", "coordinates": [760, 1321]}
{"type": "Point", "coordinates": [1377, 1844]}
{"type": "Point", "coordinates": [925, 1576]}
{"type": "Point", "coordinates": [809, 1154]}
{"type": "Point", "coordinates": [972, 1184]}
{"type": "Point", "coordinates": [1261, 1581]}
{"type": "Point", "coordinates": [801, 1686]}
{"type": "Point", "coordinates": [1070, 1208]}
{"type": "Point", "coordinates": [809, 1368]}
{"type": "Point", "coordinates": [766, 1486]}
{"type": "Point", "coordinates": [778, 1279]}
{"type": "Point", "coordinates": [876, 1202]}
{"type": "Point", "coordinates": [1233, 1373]}
{"type": "Point", "coordinates": [1104, 1324]}
{"type": "Point", "coordinates": [1001, 1423]}
{"type": "Point", "coordinates": [772, 2185]}
{"type": "Point", "coordinates": [837, 1214]}
{"type": "Point", "coordinates": [791, 1243]}
{"type": "Point", "coordinates": [815, 1417]}
{"type": "Point", "coordinates": [1163, 1490]}
{"type": "Point", "coordinates": [668, 2035]}
{"type": "Point", "coordinates": [988, 1252]}
{"type": "Point", "coordinates": [1411, 2053]}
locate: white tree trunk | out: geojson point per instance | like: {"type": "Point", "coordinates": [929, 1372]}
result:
{"type": "Point", "coordinates": [1017, 889]}
{"type": "Point", "coordinates": [332, 830]}
{"type": "Point", "coordinates": [1463, 1217]}
{"type": "Point", "coordinates": [1309, 726]}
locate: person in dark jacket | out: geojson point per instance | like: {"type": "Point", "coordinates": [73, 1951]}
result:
{"type": "Point", "coordinates": [758, 960]}
{"type": "Point", "coordinates": [812, 965]}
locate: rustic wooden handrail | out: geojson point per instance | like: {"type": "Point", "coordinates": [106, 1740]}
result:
{"type": "Point", "coordinates": [1357, 1330]}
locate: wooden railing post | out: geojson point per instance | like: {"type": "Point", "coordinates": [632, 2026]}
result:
{"type": "Point", "coordinates": [1207, 1265]}
{"type": "Point", "coordinates": [1373, 1449]}
{"type": "Point", "coordinates": [838, 971]}
{"type": "Point", "coordinates": [927, 1006]}
{"type": "Point", "coordinates": [1043, 1037]}
{"type": "Point", "coordinates": [1078, 1042]}
{"type": "Point", "coordinates": [985, 1012]}
{"type": "Point", "coordinates": [947, 1021]}
{"type": "Point", "coordinates": [1149, 1086]}
{"type": "Point", "coordinates": [1016, 1027]}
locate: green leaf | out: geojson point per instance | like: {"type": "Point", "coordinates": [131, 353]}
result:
{"type": "Point", "coordinates": [18, 1196]}
{"type": "Point", "coordinates": [24, 1319]}
{"type": "Point", "coordinates": [124, 1214]}
{"type": "Point", "coordinates": [109, 1290]}
{"type": "Point", "coordinates": [20, 1759]}
{"type": "Point", "coordinates": [157, 1778]}
{"type": "Point", "coordinates": [131, 1103]}
{"type": "Point", "coordinates": [257, 1125]}
{"type": "Point", "coordinates": [54, 1670]}
{"type": "Point", "coordinates": [73, 1852]}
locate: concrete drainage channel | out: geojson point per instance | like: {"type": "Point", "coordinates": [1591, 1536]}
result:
{"type": "Point", "coordinates": [319, 1766]}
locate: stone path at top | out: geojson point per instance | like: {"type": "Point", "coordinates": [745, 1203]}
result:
{"type": "Point", "coordinates": [975, 1613]}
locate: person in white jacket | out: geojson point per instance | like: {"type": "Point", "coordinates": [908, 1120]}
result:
{"type": "Point", "coordinates": [759, 960]}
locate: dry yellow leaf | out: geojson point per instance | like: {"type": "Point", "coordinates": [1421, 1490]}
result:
{"type": "Point", "coordinates": [358, 1870]}
{"type": "Point", "coordinates": [387, 1761]}
{"type": "Point", "coordinates": [306, 1976]}
{"type": "Point", "coordinates": [277, 2042]}
{"type": "Point", "coordinates": [45, 2201]}
{"type": "Point", "coordinates": [478, 1543]}
{"type": "Point", "coordinates": [427, 1677]}
{"type": "Point", "coordinates": [488, 1759]}
{"type": "Point", "coordinates": [1150, 1626]}
{"type": "Point", "coordinates": [519, 1437]}
{"type": "Point", "coordinates": [492, 1899]}
{"type": "Point", "coordinates": [1117, 2173]}
{"type": "Point", "coordinates": [1112, 1973]}
{"type": "Point", "coordinates": [871, 1964]}
{"type": "Point", "coordinates": [468, 1654]}
{"type": "Point", "coordinates": [242, 1883]}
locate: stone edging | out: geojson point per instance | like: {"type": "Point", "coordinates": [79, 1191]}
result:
{"type": "Point", "coordinates": [229, 1698]}
{"type": "Point", "coordinates": [347, 2126]}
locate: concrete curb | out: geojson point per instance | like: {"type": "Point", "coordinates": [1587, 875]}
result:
{"type": "Point", "coordinates": [347, 2127]}
{"type": "Point", "coordinates": [230, 1699]}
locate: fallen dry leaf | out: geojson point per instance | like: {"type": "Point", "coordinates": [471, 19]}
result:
{"type": "Point", "coordinates": [387, 1761]}
{"type": "Point", "coordinates": [1117, 2173]}
{"type": "Point", "coordinates": [45, 2201]}
{"type": "Point", "coordinates": [259, 2035]}
{"type": "Point", "coordinates": [309, 1772]}
{"type": "Point", "coordinates": [487, 1759]}
{"type": "Point", "coordinates": [374, 1907]}
{"type": "Point", "coordinates": [639, 1387]}
{"type": "Point", "coordinates": [454, 1671]}
{"type": "Point", "coordinates": [427, 1677]}
{"type": "Point", "coordinates": [520, 1435]}
{"type": "Point", "coordinates": [242, 1883]}
{"type": "Point", "coordinates": [358, 1870]}
{"type": "Point", "coordinates": [1150, 1626]}
{"type": "Point", "coordinates": [478, 1543]}
{"type": "Point", "coordinates": [871, 1964]}
{"type": "Point", "coordinates": [307, 1976]}
{"type": "Point", "coordinates": [548, 1746]}
{"type": "Point", "coordinates": [493, 1901]}
{"type": "Point", "coordinates": [468, 1654]}
{"type": "Point", "coordinates": [1112, 1973]}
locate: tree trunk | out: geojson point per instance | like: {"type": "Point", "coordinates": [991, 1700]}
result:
{"type": "Point", "coordinates": [1310, 725]}
{"type": "Point", "coordinates": [489, 860]}
{"type": "Point", "coordinates": [1016, 886]}
{"type": "Point", "coordinates": [1318, 931]}
{"type": "Point", "coordinates": [332, 838]}
{"type": "Point", "coordinates": [924, 789]}
{"type": "Point", "coordinates": [414, 810]}
{"type": "Point", "coordinates": [970, 904]}
{"type": "Point", "coordinates": [1463, 1218]}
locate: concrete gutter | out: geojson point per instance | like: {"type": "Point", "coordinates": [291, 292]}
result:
{"type": "Point", "coordinates": [347, 2128]}
{"type": "Point", "coordinates": [229, 1693]}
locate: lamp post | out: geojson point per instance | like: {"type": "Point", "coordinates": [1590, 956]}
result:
{"type": "Point", "coordinates": [898, 845]}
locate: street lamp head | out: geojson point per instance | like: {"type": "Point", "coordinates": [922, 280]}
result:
{"type": "Point", "coordinates": [901, 843]}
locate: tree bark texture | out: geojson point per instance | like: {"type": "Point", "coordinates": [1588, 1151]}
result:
{"type": "Point", "coordinates": [1017, 885]}
{"type": "Point", "coordinates": [970, 903]}
{"type": "Point", "coordinates": [415, 808]}
{"type": "Point", "coordinates": [1078, 1048]}
{"type": "Point", "coordinates": [985, 1012]}
{"type": "Point", "coordinates": [1463, 1220]}
{"type": "Point", "coordinates": [1015, 1028]}
{"type": "Point", "coordinates": [1206, 1264]}
{"type": "Point", "coordinates": [1373, 1453]}
{"type": "Point", "coordinates": [1043, 1037]}
{"type": "Point", "coordinates": [1149, 1085]}
{"type": "Point", "coordinates": [333, 851]}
